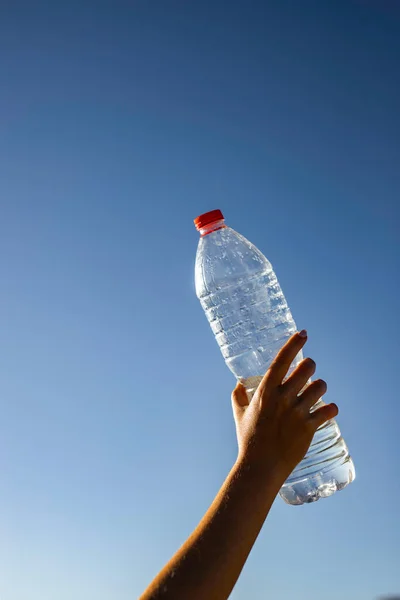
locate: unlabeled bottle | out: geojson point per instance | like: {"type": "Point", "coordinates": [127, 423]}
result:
{"type": "Point", "coordinates": [251, 321]}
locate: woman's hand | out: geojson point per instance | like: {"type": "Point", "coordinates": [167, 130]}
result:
{"type": "Point", "coordinates": [276, 428]}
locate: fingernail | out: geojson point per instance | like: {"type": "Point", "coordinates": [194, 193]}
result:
{"type": "Point", "coordinates": [303, 333]}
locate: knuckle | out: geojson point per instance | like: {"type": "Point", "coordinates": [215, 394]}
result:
{"type": "Point", "coordinates": [282, 397]}
{"type": "Point", "coordinates": [298, 410]}
{"type": "Point", "coordinates": [311, 426]}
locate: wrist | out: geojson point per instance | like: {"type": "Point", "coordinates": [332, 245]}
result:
{"type": "Point", "coordinates": [266, 476]}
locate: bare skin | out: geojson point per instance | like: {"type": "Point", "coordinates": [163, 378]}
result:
{"type": "Point", "coordinates": [274, 432]}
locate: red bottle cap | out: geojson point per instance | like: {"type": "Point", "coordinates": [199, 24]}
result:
{"type": "Point", "coordinates": [207, 218]}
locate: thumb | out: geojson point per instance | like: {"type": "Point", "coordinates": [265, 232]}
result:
{"type": "Point", "coordinates": [239, 398]}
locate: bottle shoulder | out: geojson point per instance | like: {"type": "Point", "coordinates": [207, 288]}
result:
{"type": "Point", "coordinates": [225, 258]}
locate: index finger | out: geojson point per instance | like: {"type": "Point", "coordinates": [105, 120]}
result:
{"type": "Point", "coordinates": [286, 355]}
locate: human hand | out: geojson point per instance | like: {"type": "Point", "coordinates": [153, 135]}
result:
{"type": "Point", "coordinates": [275, 428]}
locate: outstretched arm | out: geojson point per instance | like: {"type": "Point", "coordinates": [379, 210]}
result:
{"type": "Point", "coordinates": [274, 433]}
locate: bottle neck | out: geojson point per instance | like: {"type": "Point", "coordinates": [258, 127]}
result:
{"type": "Point", "coordinates": [212, 227]}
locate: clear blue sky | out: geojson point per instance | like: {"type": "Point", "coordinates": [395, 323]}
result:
{"type": "Point", "coordinates": [120, 122]}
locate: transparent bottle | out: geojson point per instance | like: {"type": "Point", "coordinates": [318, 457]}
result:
{"type": "Point", "coordinates": [251, 321]}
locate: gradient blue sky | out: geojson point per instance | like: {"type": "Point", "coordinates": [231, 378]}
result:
{"type": "Point", "coordinates": [120, 122]}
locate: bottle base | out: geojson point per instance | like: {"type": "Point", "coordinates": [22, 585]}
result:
{"type": "Point", "coordinates": [319, 485]}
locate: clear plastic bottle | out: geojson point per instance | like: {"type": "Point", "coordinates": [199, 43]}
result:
{"type": "Point", "coordinates": [251, 321]}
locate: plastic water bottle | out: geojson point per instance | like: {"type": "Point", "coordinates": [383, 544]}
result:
{"type": "Point", "coordinates": [251, 321]}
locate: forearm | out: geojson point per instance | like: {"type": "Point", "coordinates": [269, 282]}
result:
{"type": "Point", "coordinates": [207, 566]}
